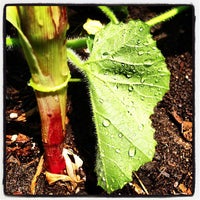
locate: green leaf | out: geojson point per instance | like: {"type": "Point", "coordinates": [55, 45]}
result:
{"type": "Point", "coordinates": [127, 77]}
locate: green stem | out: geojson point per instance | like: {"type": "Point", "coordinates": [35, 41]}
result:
{"type": "Point", "coordinates": [167, 15]}
{"type": "Point", "coordinates": [74, 58]}
{"type": "Point", "coordinates": [109, 13]}
{"type": "Point", "coordinates": [77, 43]}
{"type": "Point", "coordinates": [75, 80]}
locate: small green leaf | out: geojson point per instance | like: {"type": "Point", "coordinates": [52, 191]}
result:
{"type": "Point", "coordinates": [127, 77]}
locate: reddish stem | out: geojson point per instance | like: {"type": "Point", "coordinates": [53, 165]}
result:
{"type": "Point", "coordinates": [54, 161]}
{"type": "Point", "coordinates": [53, 131]}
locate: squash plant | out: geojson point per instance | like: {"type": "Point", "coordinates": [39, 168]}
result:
{"type": "Point", "coordinates": [126, 74]}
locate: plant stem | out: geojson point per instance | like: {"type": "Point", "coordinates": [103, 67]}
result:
{"type": "Point", "coordinates": [167, 15]}
{"type": "Point", "coordinates": [42, 34]}
{"type": "Point", "coordinates": [53, 128]}
{"type": "Point", "coordinates": [74, 58]}
{"type": "Point", "coordinates": [109, 13]}
{"type": "Point", "coordinates": [75, 80]}
{"type": "Point", "coordinates": [77, 43]}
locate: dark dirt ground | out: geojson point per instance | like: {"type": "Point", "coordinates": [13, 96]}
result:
{"type": "Point", "coordinates": [172, 170]}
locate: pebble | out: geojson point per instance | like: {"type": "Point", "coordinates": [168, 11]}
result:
{"type": "Point", "coordinates": [13, 115]}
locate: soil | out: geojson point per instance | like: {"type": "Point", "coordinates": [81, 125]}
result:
{"type": "Point", "coordinates": [171, 171]}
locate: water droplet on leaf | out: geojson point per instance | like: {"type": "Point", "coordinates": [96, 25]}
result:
{"type": "Point", "coordinates": [138, 41]}
{"type": "Point", "coordinates": [120, 135]}
{"type": "Point", "coordinates": [133, 69]}
{"type": "Point", "coordinates": [100, 100]}
{"type": "Point", "coordinates": [140, 53]}
{"type": "Point", "coordinates": [117, 151]}
{"type": "Point", "coordinates": [128, 75]}
{"type": "Point", "coordinates": [148, 62]}
{"type": "Point", "coordinates": [106, 123]}
{"type": "Point", "coordinates": [141, 29]}
{"type": "Point", "coordinates": [142, 80]}
{"type": "Point", "coordinates": [130, 88]}
{"type": "Point", "coordinates": [154, 48]}
{"type": "Point", "coordinates": [132, 151]}
{"type": "Point", "coordinates": [149, 52]}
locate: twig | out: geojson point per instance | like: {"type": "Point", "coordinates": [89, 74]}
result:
{"type": "Point", "coordinates": [30, 163]}
{"type": "Point", "coordinates": [143, 187]}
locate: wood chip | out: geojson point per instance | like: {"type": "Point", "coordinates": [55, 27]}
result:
{"type": "Point", "coordinates": [184, 190]}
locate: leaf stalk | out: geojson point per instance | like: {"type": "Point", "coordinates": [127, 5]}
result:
{"type": "Point", "coordinates": [109, 13]}
{"type": "Point", "coordinates": [74, 58]}
{"type": "Point", "coordinates": [77, 43]}
{"type": "Point", "coordinates": [167, 15]}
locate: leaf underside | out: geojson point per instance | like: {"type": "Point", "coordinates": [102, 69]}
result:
{"type": "Point", "coordinates": [127, 77]}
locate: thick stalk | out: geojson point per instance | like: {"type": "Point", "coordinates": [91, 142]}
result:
{"type": "Point", "coordinates": [53, 128]}
{"type": "Point", "coordinates": [45, 28]}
